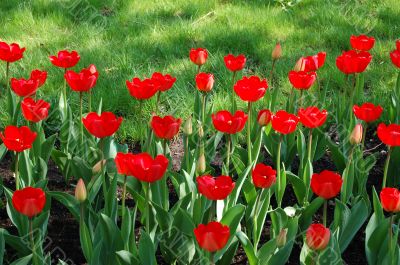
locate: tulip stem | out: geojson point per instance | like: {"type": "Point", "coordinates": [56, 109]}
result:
{"type": "Point", "coordinates": [212, 258]}
{"type": "Point", "coordinates": [271, 74]}
{"type": "Point", "coordinates": [81, 106]}
{"type": "Point", "coordinates": [17, 182]}
{"type": "Point", "coordinates": [386, 168]}
{"type": "Point", "coordinates": [158, 110]}
{"type": "Point", "coordinates": [325, 212]}
{"type": "Point", "coordinates": [65, 93]}
{"type": "Point", "coordinates": [140, 122]}
{"type": "Point", "coordinates": [309, 157]}
{"type": "Point", "coordinates": [363, 137]}
{"type": "Point", "coordinates": [391, 236]}
{"type": "Point", "coordinates": [228, 153]}
{"type": "Point", "coordinates": [278, 172]}
{"type": "Point", "coordinates": [103, 173]}
{"type": "Point", "coordinates": [123, 198]}
{"type": "Point", "coordinates": [148, 207]}
{"type": "Point", "coordinates": [233, 93]}
{"type": "Point", "coordinates": [187, 153]}
{"type": "Point", "coordinates": [7, 75]}
{"type": "Point", "coordinates": [255, 239]}
{"type": "Point", "coordinates": [249, 133]}
{"type": "Point", "coordinates": [33, 245]}
{"type": "Point", "coordinates": [203, 109]}
{"type": "Point", "coordinates": [165, 145]}
{"type": "Point", "coordinates": [90, 101]}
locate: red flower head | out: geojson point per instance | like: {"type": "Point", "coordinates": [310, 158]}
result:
{"type": "Point", "coordinates": [284, 122]}
{"type": "Point", "coordinates": [390, 199]}
{"type": "Point", "coordinates": [264, 117]}
{"type": "Point", "coordinates": [395, 55]}
{"type": "Point", "coordinates": [317, 236]}
{"type": "Point", "coordinates": [29, 201]}
{"type": "Point", "coordinates": [314, 62]}
{"type": "Point", "coordinates": [165, 128]}
{"type": "Point", "coordinates": [165, 82]}
{"type": "Point", "coordinates": [65, 59]}
{"type": "Point", "coordinates": [35, 111]}
{"type": "Point", "coordinates": [225, 122]}
{"type": "Point", "coordinates": [235, 63]}
{"type": "Point", "coordinates": [263, 176]}
{"type": "Point", "coordinates": [312, 117]}
{"type": "Point", "coordinates": [198, 56]}
{"type": "Point", "coordinates": [389, 135]}
{"type": "Point", "coordinates": [367, 112]}
{"type": "Point", "coordinates": [23, 87]}
{"type": "Point", "coordinates": [326, 184]}
{"type": "Point", "coordinates": [362, 42]}
{"type": "Point", "coordinates": [250, 88]}
{"type": "Point", "coordinates": [212, 236]}
{"type": "Point", "coordinates": [102, 125]}
{"type": "Point", "coordinates": [11, 52]}
{"type": "Point", "coordinates": [204, 82]}
{"type": "Point", "coordinates": [302, 80]}
{"type": "Point", "coordinates": [143, 167]}
{"type": "Point", "coordinates": [122, 162]}
{"type": "Point", "coordinates": [215, 188]}
{"type": "Point", "coordinates": [351, 62]}
{"type": "Point", "coordinates": [41, 76]}
{"type": "Point", "coordinates": [142, 89]}
{"type": "Point", "coordinates": [84, 80]}
{"type": "Point", "coordinates": [18, 139]}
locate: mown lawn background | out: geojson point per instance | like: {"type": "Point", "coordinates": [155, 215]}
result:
{"type": "Point", "coordinates": [127, 39]}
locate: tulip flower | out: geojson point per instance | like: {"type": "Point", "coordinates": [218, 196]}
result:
{"type": "Point", "coordinates": [390, 199]}
{"type": "Point", "coordinates": [312, 117]}
{"type": "Point", "coordinates": [65, 59]}
{"type": "Point", "coordinates": [165, 128]}
{"type": "Point", "coordinates": [263, 176]}
{"type": "Point", "coordinates": [103, 125]}
{"type": "Point", "coordinates": [367, 112]}
{"type": "Point", "coordinates": [276, 52]}
{"type": "Point", "coordinates": [264, 117]}
{"type": "Point", "coordinates": [356, 136]}
{"type": "Point", "coordinates": [82, 81]}
{"type": "Point", "coordinates": [225, 122]}
{"type": "Point", "coordinates": [212, 236]}
{"type": "Point", "coordinates": [351, 62]}
{"type": "Point", "coordinates": [165, 82]}
{"type": "Point", "coordinates": [24, 87]}
{"type": "Point", "coordinates": [41, 76]}
{"type": "Point", "coordinates": [143, 89]}
{"type": "Point", "coordinates": [198, 56]}
{"type": "Point", "coordinates": [317, 237]}
{"type": "Point", "coordinates": [204, 82]}
{"type": "Point", "coordinates": [395, 57]}
{"type": "Point", "coordinates": [215, 188]}
{"type": "Point", "coordinates": [302, 80]}
{"type": "Point", "coordinates": [314, 62]}
{"type": "Point", "coordinates": [11, 52]}
{"type": "Point", "coordinates": [362, 42]}
{"type": "Point", "coordinates": [389, 135]}
{"type": "Point", "coordinates": [34, 111]}
{"type": "Point", "coordinates": [284, 122]}
{"type": "Point", "coordinates": [18, 139]}
{"type": "Point", "coordinates": [300, 65]}
{"type": "Point", "coordinates": [235, 63]}
{"type": "Point", "coordinates": [80, 191]}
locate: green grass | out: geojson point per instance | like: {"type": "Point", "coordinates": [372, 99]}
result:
{"type": "Point", "coordinates": [136, 38]}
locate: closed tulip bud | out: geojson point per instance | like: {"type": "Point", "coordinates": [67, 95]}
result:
{"type": "Point", "coordinates": [356, 135]}
{"type": "Point", "coordinates": [264, 117]}
{"type": "Point", "coordinates": [80, 191]}
{"type": "Point", "coordinates": [299, 66]}
{"type": "Point", "coordinates": [188, 126]}
{"type": "Point", "coordinates": [97, 168]}
{"type": "Point", "coordinates": [201, 164]}
{"type": "Point", "coordinates": [201, 131]}
{"type": "Point", "coordinates": [281, 239]}
{"type": "Point", "coordinates": [277, 52]}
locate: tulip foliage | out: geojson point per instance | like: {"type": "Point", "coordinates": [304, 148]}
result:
{"type": "Point", "coordinates": [267, 195]}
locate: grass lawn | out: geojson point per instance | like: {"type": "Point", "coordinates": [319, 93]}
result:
{"type": "Point", "coordinates": [125, 39]}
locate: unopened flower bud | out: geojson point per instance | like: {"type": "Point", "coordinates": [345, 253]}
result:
{"type": "Point", "coordinates": [264, 117]}
{"type": "Point", "coordinates": [80, 191]}
{"type": "Point", "coordinates": [188, 126]}
{"type": "Point", "coordinates": [97, 168]}
{"type": "Point", "coordinates": [299, 66]}
{"type": "Point", "coordinates": [277, 52]}
{"type": "Point", "coordinates": [201, 164]}
{"type": "Point", "coordinates": [356, 135]}
{"type": "Point", "coordinates": [201, 131]}
{"type": "Point", "coordinates": [281, 238]}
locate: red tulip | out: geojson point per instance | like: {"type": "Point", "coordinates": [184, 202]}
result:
{"type": "Point", "coordinates": [351, 62]}
{"type": "Point", "coordinates": [41, 76]}
{"type": "Point", "coordinates": [225, 122]}
{"type": "Point", "coordinates": [165, 82]}
{"type": "Point", "coordinates": [11, 52]}
{"type": "Point", "coordinates": [317, 237]}
{"type": "Point", "coordinates": [212, 236]}
{"type": "Point", "coordinates": [23, 87]}
{"type": "Point", "coordinates": [165, 128]}
{"type": "Point", "coordinates": [367, 112]}
{"type": "Point", "coordinates": [82, 81]}
{"type": "Point", "coordinates": [29, 201]}
{"type": "Point", "coordinates": [263, 176]}
{"type": "Point", "coordinates": [102, 125]}
{"type": "Point", "coordinates": [264, 117]}
{"type": "Point", "coordinates": [142, 89]}
{"type": "Point", "coordinates": [312, 117]}
{"type": "Point", "coordinates": [204, 82]}
{"type": "Point", "coordinates": [395, 55]}
{"type": "Point", "coordinates": [362, 42]}
{"type": "Point", "coordinates": [65, 59]}
{"type": "Point", "coordinates": [35, 111]}
{"type": "Point", "coordinates": [314, 62]}
{"type": "Point", "coordinates": [326, 184]}
{"type": "Point", "coordinates": [301, 79]}
{"type": "Point", "coordinates": [143, 167]}
{"type": "Point", "coordinates": [122, 162]}
{"type": "Point", "coordinates": [284, 122]}
{"type": "Point", "coordinates": [215, 188]}
{"type": "Point", "coordinates": [390, 199]}
{"type": "Point", "coordinates": [198, 56]}
{"type": "Point", "coordinates": [250, 88]}
{"type": "Point", "coordinates": [390, 134]}
{"type": "Point", "coordinates": [18, 139]}
{"type": "Point", "coordinates": [235, 63]}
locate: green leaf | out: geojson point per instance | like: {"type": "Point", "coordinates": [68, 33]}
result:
{"type": "Point", "coordinates": [86, 241]}
{"type": "Point", "coordinates": [308, 213]}
{"type": "Point", "coordinates": [126, 258]}
{"type": "Point", "coordinates": [298, 186]}
{"type": "Point", "coordinates": [146, 249]}
{"type": "Point", "coordinates": [248, 248]}
{"type": "Point", "coordinates": [23, 261]}
{"type": "Point", "coordinates": [67, 200]}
